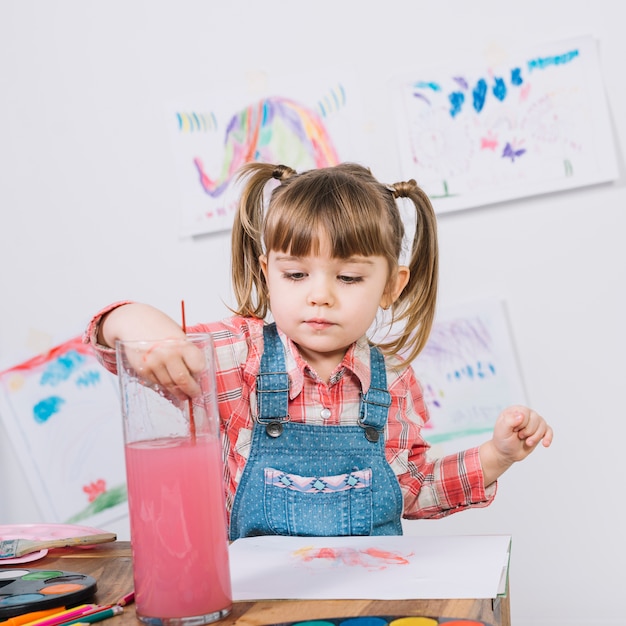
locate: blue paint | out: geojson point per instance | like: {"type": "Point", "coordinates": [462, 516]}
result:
{"type": "Point", "coordinates": [265, 115]}
{"type": "Point", "coordinates": [364, 621]}
{"type": "Point", "coordinates": [62, 368]}
{"type": "Point", "coordinates": [456, 102]}
{"type": "Point", "coordinates": [499, 89]}
{"type": "Point", "coordinates": [516, 76]}
{"type": "Point", "coordinates": [559, 59]}
{"type": "Point", "coordinates": [46, 408]}
{"type": "Point", "coordinates": [23, 598]}
{"type": "Point", "coordinates": [421, 84]}
{"type": "Point", "coordinates": [343, 94]}
{"type": "Point", "coordinates": [88, 379]}
{"type": "Point", "coordinates": [479, 93]}
{"type": "Point", "coordinates": [470, 372]}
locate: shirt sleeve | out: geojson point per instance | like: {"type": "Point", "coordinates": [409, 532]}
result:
{"type": "Point", "coordinates": [432, 488]}
{"type": "Point", "coordinates": [104, 354]}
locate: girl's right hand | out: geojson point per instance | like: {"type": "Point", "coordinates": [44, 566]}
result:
{"type": "Point", "coordinates": [168, 360]}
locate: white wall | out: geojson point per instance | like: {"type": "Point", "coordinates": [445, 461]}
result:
{"type": "Point", "coordinates": [89, 205]}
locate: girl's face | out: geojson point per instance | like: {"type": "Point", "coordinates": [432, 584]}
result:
{"type": "Point", "coordinates": [324, 304]}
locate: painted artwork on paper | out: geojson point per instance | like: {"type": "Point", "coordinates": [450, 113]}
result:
{"type": "Point", "coordinates": [369, 557]}
{"type": "Point", "coordinates": [527, 123]}
{"type": "Point", "coordinates": [399, 567]}
{"type": "Point", "coordinates": [469, 373]}
{"type": "Point", "coordinates": [62, 413]}
{"type": "Point", "coordinates": [304, 125]}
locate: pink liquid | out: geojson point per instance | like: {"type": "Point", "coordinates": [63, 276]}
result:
{"type": "Point", "coordinates": [178, 527]}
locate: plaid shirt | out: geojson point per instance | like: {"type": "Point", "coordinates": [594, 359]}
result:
{"type": "Point", "coordinates": [432, 488]}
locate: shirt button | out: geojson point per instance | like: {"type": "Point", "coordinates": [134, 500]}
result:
{"type": "Point", "coordinates": [325, 414]}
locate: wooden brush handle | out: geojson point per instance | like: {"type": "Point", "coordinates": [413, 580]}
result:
{"type": "Point", "coordinates": [83, 540]}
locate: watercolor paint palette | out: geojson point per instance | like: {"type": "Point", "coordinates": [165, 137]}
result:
{"type": "Point", "coordinates": [386, 620]}
{"type": "Point", "coordinates": [24, 590]}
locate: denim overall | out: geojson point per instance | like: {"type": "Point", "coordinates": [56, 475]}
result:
{"type": "Point", "coordinates": [310, 480]}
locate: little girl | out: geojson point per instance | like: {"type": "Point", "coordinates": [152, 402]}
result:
{"type": "Point", "coordinates": [321, 428]}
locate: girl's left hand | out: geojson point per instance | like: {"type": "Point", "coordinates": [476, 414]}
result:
{"type": "Point", "coordinates": [518, 431]}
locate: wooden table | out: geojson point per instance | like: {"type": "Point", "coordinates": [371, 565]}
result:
{"type": "Point", "coordinates": [111, 565]}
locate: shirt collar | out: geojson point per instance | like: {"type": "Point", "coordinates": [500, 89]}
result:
{"type": "Point", "coordinates": [356, 360]}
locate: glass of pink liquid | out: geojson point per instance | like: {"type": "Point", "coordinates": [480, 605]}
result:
{"type": "Point", "coordinates": [175, 483]}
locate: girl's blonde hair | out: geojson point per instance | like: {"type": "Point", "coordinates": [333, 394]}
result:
{"type": "Point", "coordinates": [358, 214]}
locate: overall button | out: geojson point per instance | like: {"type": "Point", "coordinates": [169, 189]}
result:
{"type": "Point", "coordinates": [325, 414]}
{"type": "Point", "coordinates": [371, 434]}
{"type": "Point", "coordinates": [274, 429]}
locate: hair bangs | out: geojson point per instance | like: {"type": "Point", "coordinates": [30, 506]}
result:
{"type": "Point", "coordinates": [345, 217]}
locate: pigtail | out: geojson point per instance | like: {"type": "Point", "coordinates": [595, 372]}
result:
{"type": "Point", "coordinates": [247, 238]}
{"type": "Point", "coordinates": [415, 307]}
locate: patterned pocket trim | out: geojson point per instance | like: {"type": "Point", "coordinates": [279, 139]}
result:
{"type": "Point", "coordinates": [360, 479]}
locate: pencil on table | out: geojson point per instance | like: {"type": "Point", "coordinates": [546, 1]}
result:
{"type": "Point", "coordinates": [129, 598]}
{"type": "Point", "coordinates": [25, 618]}
{"type": "Point", "coordinates": [62, 616]}
{"type": "Point", "coordinates": [96, 616]}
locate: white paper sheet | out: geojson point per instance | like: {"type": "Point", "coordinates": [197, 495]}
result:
{"type": "Point", "coordinates": [384, 568]}
{"type": "Point", "coordinates": [531, 121]}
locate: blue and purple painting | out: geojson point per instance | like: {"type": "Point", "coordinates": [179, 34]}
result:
{"type": "Point", "coordinates": [525, 123]}
{"type": "Point", "coordinates": [61, 410]}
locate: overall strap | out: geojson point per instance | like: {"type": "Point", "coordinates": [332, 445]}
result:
{"type": "Point", "coordinates": [273, 389]}
{"type": "Point", "coordinates": [272, 382]}
{"type": "Point", "coordinates": [376, 402]}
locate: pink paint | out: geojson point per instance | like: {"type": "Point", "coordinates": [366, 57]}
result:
{"type": "Point", "coordinates": [95, 489]}
{"type": "Point", "coordinates": [178, 534]}
{"type": "Point", "coordinates": [369, 558]}
{"type": "Point", "coordinates": [489, 142]}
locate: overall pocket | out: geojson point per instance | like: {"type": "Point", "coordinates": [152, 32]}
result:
{"type": "Point", "coordinates": [321, 506]}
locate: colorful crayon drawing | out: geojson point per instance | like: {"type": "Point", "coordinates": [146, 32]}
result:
{"type": "Point", "coordinates": [533, 123]}
{"type": "Point", "coordinates": [62, 413]}
{"type": "Point", "coordinates": [309, 128]}
{"type": "Point", "coordinates": [469, 373]}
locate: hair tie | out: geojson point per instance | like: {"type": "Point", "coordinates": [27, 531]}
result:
{"type": "Point", "coordinates": [280, 170]}
{"type": "Point", "coordinates": [405, 189]}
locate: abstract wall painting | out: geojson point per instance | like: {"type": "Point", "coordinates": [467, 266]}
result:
{"type": "Point", "coordinates": [305, 122]}
{"type": "Point", "coordinates": [533, 122]}
{"type": "Point", "coordinates": [62, 413]}
{"type": "Point", "coordinates": [469, 373]}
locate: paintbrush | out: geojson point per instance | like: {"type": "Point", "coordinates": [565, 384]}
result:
{"type": "Point", "coordinates": [192, 421]}
{"type": "Point", "coordinates": [14, 548]}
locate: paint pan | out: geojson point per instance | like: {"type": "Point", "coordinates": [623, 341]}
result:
{"type": "Point", "coordinates": [386, 620]}
{"type": "Point", "coordinates": [27, 590]}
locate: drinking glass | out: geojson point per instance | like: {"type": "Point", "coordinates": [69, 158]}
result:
{"type": "Point", "coordinates": [175, 484]}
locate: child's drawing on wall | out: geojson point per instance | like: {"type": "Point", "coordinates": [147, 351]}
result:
{"type": "Point", "coordinates": [305, 124]}
{"type": "Point", "coordinates": [469, 373]}
{"type": "Point", "coordinates": [529, 123]}
{"type": "Point", "coordinates": [62, 413]}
